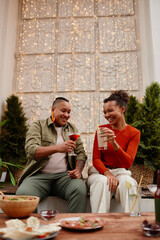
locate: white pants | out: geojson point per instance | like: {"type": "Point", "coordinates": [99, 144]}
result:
{"type": "Point", "coordinates": [100, 196]}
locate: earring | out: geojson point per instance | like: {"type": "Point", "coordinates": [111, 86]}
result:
{"type": "Point", "coordinates": [53, 118]}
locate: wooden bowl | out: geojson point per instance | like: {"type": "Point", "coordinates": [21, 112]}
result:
{"type": "Point", "coordinates": [19, 206]}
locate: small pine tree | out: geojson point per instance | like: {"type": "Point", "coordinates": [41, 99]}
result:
{"type": "Point", "coordinates": [147, 120]}
{"type": "Point", "coordinates": [131, 109]}
{"type": "Point", "coordinates": [12, 139]}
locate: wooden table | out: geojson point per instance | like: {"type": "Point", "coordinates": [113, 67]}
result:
{"type": "Point", "coordinates": [118, 226]}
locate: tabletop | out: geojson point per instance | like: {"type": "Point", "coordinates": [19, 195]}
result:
{"type": "Point", "coordinates": [117, 226]}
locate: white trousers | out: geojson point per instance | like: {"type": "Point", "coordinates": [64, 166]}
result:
{"type": "Point", "coordinates": [100, 196]}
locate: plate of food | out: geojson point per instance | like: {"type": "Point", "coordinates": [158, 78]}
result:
{"type": "Point", "coordinates": [82, 223]}
{"type": "Point", "coordinates": [18, 230]}
{"type": "Point", "coordinates": [42, 237]}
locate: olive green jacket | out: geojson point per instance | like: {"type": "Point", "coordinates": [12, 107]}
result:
{"type": "Point", "coordinates": [43, 133]}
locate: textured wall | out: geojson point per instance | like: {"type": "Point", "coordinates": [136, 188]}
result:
{"type": "Point", "coordinates": [79, 49]}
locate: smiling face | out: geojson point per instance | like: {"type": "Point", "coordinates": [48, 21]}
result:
{"type": "Point", "coordinates": [61, 113]}
{"type": "Point", "coordinates": [114, 114]}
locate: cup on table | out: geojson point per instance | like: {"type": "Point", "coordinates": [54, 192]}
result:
{"type": "Point", "coordinates": [101, 144]}
{"type": "Point", "coordinates": [48, 214]}
{"type": "Point", "coordinates": [134, 198]}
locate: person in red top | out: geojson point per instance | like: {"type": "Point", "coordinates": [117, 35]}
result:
{"type": "Point", "coordinates": [110, 172]}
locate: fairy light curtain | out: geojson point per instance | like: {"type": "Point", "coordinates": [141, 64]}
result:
{"type": "Point", "coordinates": [77, 49]}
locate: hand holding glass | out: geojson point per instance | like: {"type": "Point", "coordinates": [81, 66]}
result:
{"type": "Point", "coordinates": [102, 144]}
{"type": "Point", "coordinates": [73, 136]}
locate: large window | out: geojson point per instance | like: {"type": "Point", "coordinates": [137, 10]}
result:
{"type": "Point", "coordinates": [79, 49]}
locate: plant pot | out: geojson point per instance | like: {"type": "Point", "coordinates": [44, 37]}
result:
{"type": "Point", "coordinates": [17, 173]}
{"type": "Point", "coordinates": [139, 170]}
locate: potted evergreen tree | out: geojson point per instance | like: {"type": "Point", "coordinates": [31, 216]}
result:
{"type": "Point", "coordinates": [12, 139]}
{"type": "Point", "coordinates": [146, 118]}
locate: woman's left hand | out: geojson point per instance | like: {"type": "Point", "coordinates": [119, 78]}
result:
{"type": "Point", "coordinates": [111, 180]}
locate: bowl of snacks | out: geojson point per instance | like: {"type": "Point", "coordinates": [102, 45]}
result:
{"type": "Point", "coordinates": [48, 214]}
{"type": "Point", "coordinates": [18, 206]}
{"type": "Point", "coordinates": [152, 187]}
{"type": "Point", "coordinates": [151, 229]}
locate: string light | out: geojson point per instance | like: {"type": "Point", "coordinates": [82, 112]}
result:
{"type": "Point", "coordinates": [79, 49]}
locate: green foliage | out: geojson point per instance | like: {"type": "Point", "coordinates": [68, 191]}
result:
{"type": "Point", "coordinates": [6, 164]}
{"type": "Point", "coordinates": [12, 139]}
{"type": "Point", "coordinates": [147, 119]}
{"type": "Point", "coordinates": [2, 123]}
{"type": "Point", "coordinates": [131, 110]}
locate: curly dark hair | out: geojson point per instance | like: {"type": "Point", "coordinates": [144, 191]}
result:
{"type": "Point", "coordinates": [120, 96]}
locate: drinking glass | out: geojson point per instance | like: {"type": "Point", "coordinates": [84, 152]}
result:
{"type": "Point", "coordinates": [134, 197]}
{"type": "Point", "coordinates": [73, 136]}
{"type": "Point", "coordinates": [48, 214]}
{"type": "Point", "coordinates": [101, 144]}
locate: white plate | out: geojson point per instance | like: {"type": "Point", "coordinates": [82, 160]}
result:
{"type": "Point", "coordinates": [73, 219]}
{"type": "Point", "coordinates": [49, 237]}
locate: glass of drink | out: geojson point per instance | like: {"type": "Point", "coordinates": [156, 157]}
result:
{"type": "Point", "coordinates": [134, 198]}
{"type": "Point", "coordinates": [73, 136]}
{"type": "Point", "coordinates": [101, 144]}
{"type": "Point", "coordinates": [48, 214]}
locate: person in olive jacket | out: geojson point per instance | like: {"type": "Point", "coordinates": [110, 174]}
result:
{"type": "Point", "coordinates": [50, 171]}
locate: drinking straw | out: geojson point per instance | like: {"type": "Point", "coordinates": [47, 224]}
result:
{"type": "Point", "coordinates": [136, 194]}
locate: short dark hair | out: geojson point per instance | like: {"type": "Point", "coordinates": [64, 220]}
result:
{"type": "Point", "coordinates": [120, 96]}
{"type": "Point", "coordinates": [58, 100]}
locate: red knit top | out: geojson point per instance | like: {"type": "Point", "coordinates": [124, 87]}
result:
{"type": "Point", "coordinates": [128, 140]}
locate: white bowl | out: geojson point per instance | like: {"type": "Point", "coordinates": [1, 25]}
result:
{"type": "Point", "coordinates": [152, 187]}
